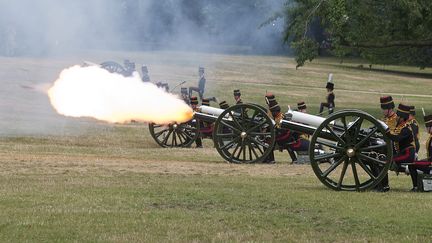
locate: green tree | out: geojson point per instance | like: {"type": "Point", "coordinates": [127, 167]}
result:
{"type": "Point", "coordinates": [383, 32]}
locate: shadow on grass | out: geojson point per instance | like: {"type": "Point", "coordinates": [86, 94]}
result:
{"type": "Point", "coordinates": [408, 74]}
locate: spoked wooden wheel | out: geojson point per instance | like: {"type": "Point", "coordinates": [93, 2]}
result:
{"type": "Point", "coordinates": [175, 135]}
{"type": "Point", "coordinates": [113, 67]}
{"type": "Point", "coordinates": [244, 134]}
{"type": "Point", "coordinates": [355, 153]}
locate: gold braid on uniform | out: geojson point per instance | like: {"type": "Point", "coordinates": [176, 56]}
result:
{"type": "Point", "coordinates": [391, 122]}
{"type": "Point", "coordinates": [397, 131]}
{"type": "Point", "coordinates": [279, 117]}
{"type": "Point", "coordinates": [413, 121]}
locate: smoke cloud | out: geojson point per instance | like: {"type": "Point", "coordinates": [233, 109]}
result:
{"type": "Point", "coordinates": [95, 92]}
{"type": "Point", "coordinates": [46, 27]}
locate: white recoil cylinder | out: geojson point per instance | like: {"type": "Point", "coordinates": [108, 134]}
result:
{"type": "Point", "coordinates": [304, 118]}
{"type": "Point", "coordinates": [211, 110]}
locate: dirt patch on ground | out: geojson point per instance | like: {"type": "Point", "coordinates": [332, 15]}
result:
{"type": "Point", "coordinates": [57, 164]}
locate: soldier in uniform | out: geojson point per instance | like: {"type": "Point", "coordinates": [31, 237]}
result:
{"type": "Point", "coordinates": [387, 106]}
{"type": "Point", "coordinates": [223, 105]}
{"type": "Point", "coordinates": [145, 75]}
{"type": "Point", "coordinates": [286, 139]}
{"type": "Point", "coordinates": [301, 106]}
{"type": "Point", "coordinates": [201, 84]}
{"type": "Point", "coordinates": [129, 67]}
{"type": "Point", "coordinates": [330, 99]}
{"type": "Point", "coordinates": [390, 119]}
{"type": "Point", "coordinates": [428, 124]}
{"type": "Point", "coordinates": [414, 128]}
{"type": "Point", "coordinates": [424, 164]}
{"type": "Point", "coordinates": [403, 139]}
{"type": "Point", "coordinates": [206, 128]}
{"type": "Point", "coordinates": [237, 97]}
{"type": "Point", "coordinates": [194, 106]}
{"type": "Point", "coordinates": [184, 95]}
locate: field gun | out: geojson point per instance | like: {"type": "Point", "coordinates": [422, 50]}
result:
{"type": "Point", "coordinates": [244, 133]}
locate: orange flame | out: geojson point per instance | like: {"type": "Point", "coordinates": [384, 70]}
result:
{"type": "Point", "coordinates": [94, 92]}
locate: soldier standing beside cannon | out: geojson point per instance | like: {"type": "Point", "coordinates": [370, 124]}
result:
{"type": "Point", "coordinates": [206, 128]}
{"type": "Point", "coordinates": [423, 165]}
{"type": "Point", "coordinates": [194, 106]}
{"type": "Point", "coordinates": [145, 75]}
{"type": "Point", "coordinates": [223, 105]}
{"type": "Point", "coordinates": [201, 84]}
{"type": "Point", "coordinates": [390, 119]}
{"type": "Point", "coordinates": [330, 98]}
{"type": "Point", "coordinates": [387, 106]}
{"type": "Point", "coordinates": [237, 97]}
{"type": "Point", "coordinates": [404, 145]}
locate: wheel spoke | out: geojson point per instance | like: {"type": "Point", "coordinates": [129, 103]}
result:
{"type": "Point", "coordinates": [358, 145]}
{"type": "Point", "coordinates": [366, 169]}
{"type": "Point", "coordinates": [357, 126]}
{"type": "Point", "coordinates": [230, 143]}
{"type": "Point", "coordinates": [235, 150]}
{"type": "Point", "coordinates": [328, 144]}
{"type": "Point", "coordinates": [253, 150]}
{"type": "Point", "coordinates": [260, 150]}
{"type": "Point", "coordinates": [182, 138]}
{"type": "Point", "coordinates": [188, 135]}
{"type": "Point", "coordinates": [333, 167]}
{"type": "Point", "coordinates": [370, 159]}
{"type": "Point", "coordinates": [260, 133]}
{"type": "Point", "coordinates": [225, 135]}
{"type": "Point", "coordinates": [264, 145]}
{"type": "Point", "coordinates": [326, 156]}
{"type": "Point", "coordinates": [373, 147]}
{"type": "Point", "coordinates": [345, 133]}
{"type": "Point", "coordinates": [344, 169]}
{"type": "Point", "coordinates": [229, 126]}
{"type": "Point", "coordinates": [236, 122]}
{"type": "Point", "coordinates": [356, 178]}
{"type": "Point", "coordinates": [256, 126]}
{"type": "Point", "coordinates": [335, 135]}
{"type": "Point", "coordinates": [165, 140]}
{"type": "Point", "coordinates": [239, 151]}
{"type": "Point", "coordinates": [174, 141]}
{"type": "Point", "coordinates": [160, 133]}
{"type": "Point", "coordinates": [244, 150]}
{"type": "Point", "coordinates": [254, 115]}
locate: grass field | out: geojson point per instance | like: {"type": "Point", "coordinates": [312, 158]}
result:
{"type": "Point", "coordinates": [67, 179]}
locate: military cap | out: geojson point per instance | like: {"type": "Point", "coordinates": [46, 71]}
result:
{"type": "Point", "coordinates": [194, 100]}
{"type": "Point", "coordinates": [205, 102]}
{"type": "Point", "coordinates": [387, 102]}
{"type": "Point", "coordinates": [428, 120]}
{"type": "Point", "coordinates": [412, 110]}
{"type": "Point", "coordinates": [237, 92]}
{"type": "Point", "coordinates": [403, 111]}
{"type": "Point", "coordinates": [330, 85]}
{"type": "Point", "coordinates": [301, 105]}
{"type": "Point", "coordinates": [223, 105]}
